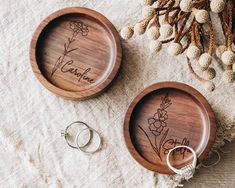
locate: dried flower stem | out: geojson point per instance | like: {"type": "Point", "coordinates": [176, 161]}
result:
{"type": "Point", "coordinates": [211, 45]}
{"type": "Point", "coordinates": [223, 23]}
{"type": "Point", "coordinates": [178, 36]}
{"type": "Point", "coordinates": [174, 16]}
{"type": "Point", "coordinates": [193, 33]}
{"type": "Point", "coordinates": [186, 46]}
{"type": "Point", "coordinates": [182, 16]}
{"type": "Point", "coordinates": [154, 21]}
{"type": "Point", "coordinates": [194, 73]}
{"type": "Point", "coordinates": [198, 3]}
{"type": "Point", "coordinates": [170, 5]}
{"type": "Point", "coordinates": [202, 38]}
{"type": "Point", "coordinates": [162, 3]}
{"type": "Point", "coordinates": [197, 35]}
{"type": "Point", "coordinates": [166, 8]}
{"type": "Point", "coordinates": [168, 40]}
{"type": "Point", "coordinates": [176, 30]}
{"type": "Point", "coordinates": [230, 25]}
{"type": "Point", "coordinates": [188, 30]}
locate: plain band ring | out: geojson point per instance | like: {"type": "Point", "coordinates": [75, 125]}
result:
{"type": "Point", "coordinates": [178, 171]}
{"type": "Point", "coordinates": [65, 134]}
{"type": "Point", "coordinates": [82, 148]}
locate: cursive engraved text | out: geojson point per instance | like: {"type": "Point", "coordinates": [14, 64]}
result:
{"type": "Point", "coordinates": [81, 75]}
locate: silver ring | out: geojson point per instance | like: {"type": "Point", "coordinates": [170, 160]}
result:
{"type": "Point", "coordinates": [82, 148]}
{"type": "Point", "coordinates": [64, 133]}
{"type": "Point", "coordinates": [190, 166]}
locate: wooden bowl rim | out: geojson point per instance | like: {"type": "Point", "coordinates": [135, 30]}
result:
{"type": "Point", "coordinates": [168, 85]}
{"type": "Point", "coordinates": [99, 87]}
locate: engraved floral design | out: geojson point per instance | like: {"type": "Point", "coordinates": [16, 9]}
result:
{"type": "Point", "coordinates": [77, 27]}
{"type": "Point", "coordinates": [157, 123]}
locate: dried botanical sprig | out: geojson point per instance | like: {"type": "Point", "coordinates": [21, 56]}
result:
{"type": "Point", "coordinates": [201, 15]}
{"type": "Point", "coordinates": [217, 6]}
{"type": "Point", "coordinates": [127, 32]}
{"type": "Point", "coordinates": [228, 57]}
{"type": "Point", "coordinates": [193, 51]}
{"type": "Point", "coordinates": [206, 58]}
{"type": "Point", "coordinates": [182, 23]}
{"type": "Point", "coordinates": [208, 85]}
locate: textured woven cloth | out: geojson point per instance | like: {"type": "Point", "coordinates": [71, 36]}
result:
{"type": "Point", "coordinates": [32, 153]}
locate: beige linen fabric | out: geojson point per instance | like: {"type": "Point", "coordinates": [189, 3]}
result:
{"type": "Point", "coordinates": [32, 153]}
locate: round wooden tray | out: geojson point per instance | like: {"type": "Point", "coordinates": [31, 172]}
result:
{"type": "Point", "coordinates": [76, 53]}
{"type": "Point", "coordinates": [166, 115]}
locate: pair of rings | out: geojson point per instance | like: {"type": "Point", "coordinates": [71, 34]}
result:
{"type": "Point", "coordinates": [80, 143]}
{"type": "Point", "coordinates": [187, 171]}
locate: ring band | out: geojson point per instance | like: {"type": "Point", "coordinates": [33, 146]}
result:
{"type": "Point", "coordinates": [187, 167]}
{"type": "Point", "coordinates": [82, 148]}
{"type": "Point", "coordinates": [65, 134]}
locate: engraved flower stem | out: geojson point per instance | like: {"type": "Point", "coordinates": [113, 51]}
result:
{"type": "Point", "coordinates": [60, 60]}
{"type": "Point", "coordinates": [154, 148]}
{"type": "Point", "coordinates": [162, 117]}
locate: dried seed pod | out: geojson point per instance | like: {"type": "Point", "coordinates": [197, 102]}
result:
{"type": "Point", "coordinates": [228, 76]}
{"type": "Point", "coordinates": [193, 52]}
{"type": "Point", "coordinates": [148, 12]}
{"type": "Point", "coordinates": [202, 16]}
{"type": "Point", "coordinates": [209, 73]}
{"type": "Point", "coordinates": [166, 30]}
{"type": "Point", "coordinates": [228, 57]}
{"type": "Point", "coordinates": [186, 5]}
{"type": "Point", "coordinates": [209, 86]}
{"type": "Point", "coordinates": [140, 28]}
{"type": "Point", "coordinates": [127, 32]}
{"type": "Point", "coordinates": [155, 46]}
{"type": "Point", "coordinates": [205, 60]}
{"type": "Point", "coordinates": [153, 33]}
{"type": "Point", "coordinates": [175, 49]}
{"type": "Point", "coordinates": [217, 6]}
{"type": "Point", "coordinates": [148, 2]}
{"type": "Point", "coordinates": [220, 50]}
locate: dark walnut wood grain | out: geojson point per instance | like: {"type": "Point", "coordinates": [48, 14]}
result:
{"type": "Point", "coordinates": [166, 115]}
{"type": "Point", "coordinates": [76, 53]}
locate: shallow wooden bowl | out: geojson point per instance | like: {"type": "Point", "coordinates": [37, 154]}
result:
{"type": "Point", "coordinates": [76, 53]}
{"type": "Point", "coordinates": [166, 115]}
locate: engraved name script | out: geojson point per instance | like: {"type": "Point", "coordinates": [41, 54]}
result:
{"type": "Point", "coordinates": [157, 126]}
{"type": "Point", "coordinates": [81, 75]}
{"type": "Point", "coordinates": [68, 66]}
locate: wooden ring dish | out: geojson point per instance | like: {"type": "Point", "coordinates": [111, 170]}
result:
{"type": "Point", "coordinates": [76, 53]}
{"type": "Point", "coordinates": [166, 115]}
